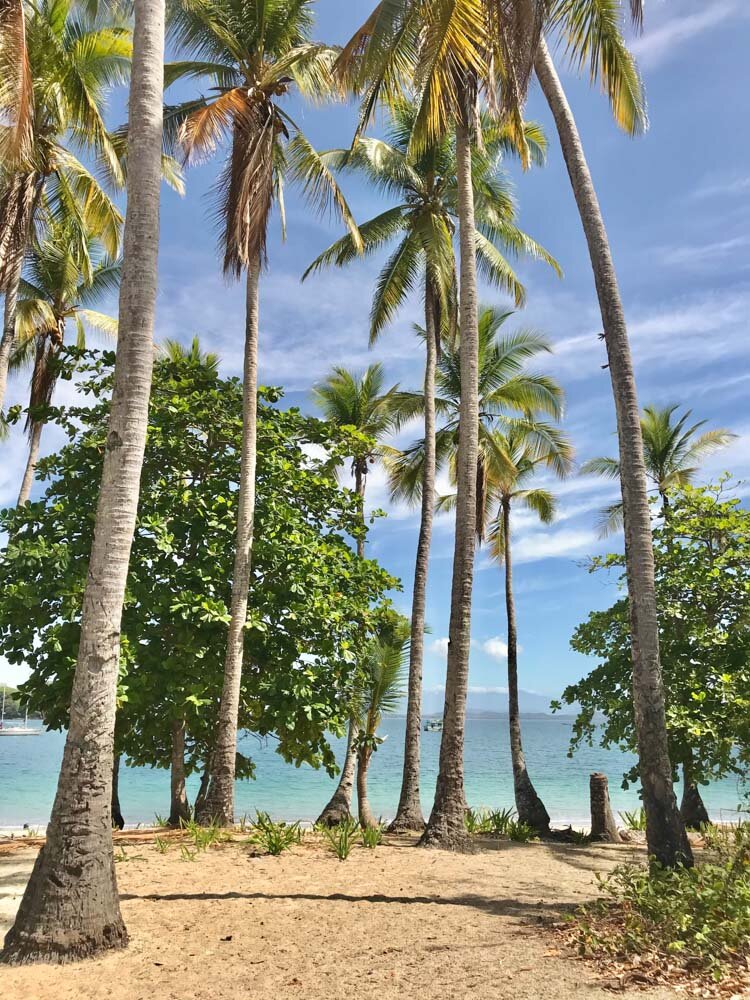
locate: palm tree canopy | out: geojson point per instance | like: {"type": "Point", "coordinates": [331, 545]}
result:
{"type": "Point", "coordinates": [673, 449]}
{"type": "Point", "coordinates": [510, 397]}
{"type": "Point", "coordinates": [175, 351]}
{"type": "Point", "coordinates": [74, 58]}
{"type": "Point", "coordinates": [59, 287]}
{"type": "Point", "coordinates": [360, 401]}
{"type": "Point", "coordinates": [451, 51]}
{"type": "Point", "coordinates": [252, 54]}
{"type": "Point", "coordinates": [381, 683]}
{"type": "Point", "coordinates": [425, 187]}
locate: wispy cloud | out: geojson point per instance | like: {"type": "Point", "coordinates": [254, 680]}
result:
{"type": "Point", "coordinates": [496, 647]}
{"type": "Point", "coordinates": [723, 186]}
{"type": "Point", "coordinates": [706, 256]}
{"type": "Point", "coordinates": [657, 46]}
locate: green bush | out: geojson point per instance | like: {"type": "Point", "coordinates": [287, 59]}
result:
{"type": "Point", "coordinates": [698, 917]}
{"type": "Point", "coordinates": [203, 837]}
{"type": "Point", "coordinates": [499, 821]}
{"type": "Point", "coordinates": [372, 835]}
{"type": "Point", "coordinates": [477, 821]}
{"type": "Point", "coordinates": [274, 838]}
{"type": "Point", "coordinates": [341, 837]}
{"type": "Point", "coordinates": [520, 832]}
{"type": "Point", "coordinates": [635, 820]}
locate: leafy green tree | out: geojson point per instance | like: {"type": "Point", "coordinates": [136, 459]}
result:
{"type": "Point", "coordinates": [703, 589]}
{"type": "Point", "coordinates": [673, 452]}
{"type": "Point", "coordinates": [422, 224]}
{"type": "Point", "coordinates": [313, 600]}
{"type": "Point", "coordinates": [253, 57]}
{"type": "Point", "coordinates": [59, 287]}
{"type": "Point", "coordinates": [361, 402]}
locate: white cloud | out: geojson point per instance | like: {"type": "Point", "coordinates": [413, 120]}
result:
{"type": "Point", "coordinates": [724, 185]}
{"type": "Point", "coordinates": [496, 648]}
{"type": "Point", "coordinates": [658, 45]}
{"type": "Point", "coordinates": [440, 646]}
{"type": "Point", "coordinates": [704, 256]}
{"type": "Point", "coordinates": [550, 544]}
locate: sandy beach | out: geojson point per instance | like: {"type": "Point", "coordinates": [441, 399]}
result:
{"type": "Point", "coordinates": [394, 922]}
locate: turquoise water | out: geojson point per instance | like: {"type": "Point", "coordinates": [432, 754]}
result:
{"type": "Point", "coordinates": [29, 767]}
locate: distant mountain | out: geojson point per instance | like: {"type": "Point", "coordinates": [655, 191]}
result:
{"type": "Point", "coordinates": [483, 702]}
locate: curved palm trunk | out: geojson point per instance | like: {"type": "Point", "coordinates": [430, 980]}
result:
{"type": "Point", "coordinates": [17, 210]}
{"type": "Point", "coordinates": [692, 808]}
{"type": "Point", "coordinates": [366, 818]}
{"type": "Point", "coordinates": [529, 806]}
{"type": "Point", "coordinates": [409, 814]}
{"type": "Point", "coordinates": [446, 824]}
{"type": "Point", "coordinates": [218, 805]}
{"type": "Point", "coordinates": [33, 457]}
{"type": "Point", "coordinates": [179, 808]}
{"type": "Point", "coordinates": [339, 806]}
{"type": "Point", "coordinates": [666, 836]}
{"type": "Point", "coordinates": [118, 821]}
{"type": "Point", "coordinates": [71, 909]}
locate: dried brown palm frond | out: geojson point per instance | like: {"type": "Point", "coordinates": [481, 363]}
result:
{"type": "Point", "coordinates": [44, 375]}
{"type": "Point", "coordinates": [16, 89]}
{"type": "Point", "coordinates": [17, 202]}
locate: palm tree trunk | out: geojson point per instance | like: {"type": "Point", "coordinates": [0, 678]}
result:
{"type": "Point", "coordinates": [446, 824]}
{"type": "Point", "coordinates": [118, 820]}
{"type": "Point", "coordinates": [218, 805]}
{"type": "Point", "coordinates": [24, 194]}
{"type": "Point", "coordinates": [71, 909]}
{"type": "Point", "coordinates": [366, 818]}
{"type": "Point", "coordinates": [409, 814]}
{"type": "Point", "coordinates": [529, 806]}
{"type": "Point", "coordinates": [179, 809]}
{"type": "Point", "coordinates": [339, 806]}
{"type": "Point", "coordinates": [8, 338]}
{"type": "Point", "coordinates": [692, 808]}
{"type": "Point", "coordinates": [33, 457]}
{"type": "Point", "coordinates": [666, 836]}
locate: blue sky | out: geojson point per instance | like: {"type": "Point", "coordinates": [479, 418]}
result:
{"type": "Point", "coordinates": [677, 206]}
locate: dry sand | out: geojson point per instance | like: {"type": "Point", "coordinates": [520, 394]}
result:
{"type": "Point", "coordinates": [397, 922]}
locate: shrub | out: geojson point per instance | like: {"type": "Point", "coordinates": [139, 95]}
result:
{"type": "Point", "coordinates": [477, 821]}
{"type": "Point", "coordinates": [341, 837]}
{"type": "Point", "coordinates": [161, 845]}
{"type": "Point", "coordinates": [372, 836]}
{"type": "Point", "coordinates": [274, 838]}
{"type": "Point", "coordinates": [520, 832]}
{"type": "Point", "coordinates": [203, 837]}
{"type": "Point", "coordinates": [499, 820]}
{"type": "Point", "coordinates": [635, 820]}
{"type": "Point", "coordinates": [696, 918]}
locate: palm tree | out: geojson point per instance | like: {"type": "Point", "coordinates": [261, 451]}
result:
{"type": "Point", "coordinates": [453, 50]}
{"type": "Point", "coordinates": [253, 58]}
{"type": "Point", "coordinates": [423, 221]}
{"type": "Point", "coordinates": [71, 907]}
{"type": "Point", "coordinates": [59, 287]}
{"type": "Point", "coordinates": [71, 58]}
{"type": "Point", "coordinates": [508, 394]}
{"type": "Point", "coordinates": [516, 461]}
{"type": "Point", "coordinates": [379, 692]}
{"type": "Point", "coordinates": [505, 389]}
{"type": "Point", "coordinates": [593, 31]}
{"type": "Point", "coordinates": [350, 400]}
{"type": "Point", "coordinates": [672, 454]}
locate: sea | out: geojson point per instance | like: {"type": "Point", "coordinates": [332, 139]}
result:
{"type": "Point", "coordinates": [29, 768]}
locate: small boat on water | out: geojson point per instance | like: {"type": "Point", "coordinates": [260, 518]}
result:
{"type": "Point", "coordinates": [433, 726]}
{"type": "Point", "coordinates": [16, 730]}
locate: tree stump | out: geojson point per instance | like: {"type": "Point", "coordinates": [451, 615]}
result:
{"type": "Point", "coordinates": [603, 826]}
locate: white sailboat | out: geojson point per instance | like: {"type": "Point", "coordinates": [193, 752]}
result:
{"type": "Point", "coordinates": [16, 730]}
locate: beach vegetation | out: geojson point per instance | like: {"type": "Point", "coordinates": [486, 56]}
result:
{"type": "Point", "coordinates": [341, 838]}
{"type": "Point", "coordinates": [693, 921]}
{"type": "Point", "coordinates": [702, 572]}
{"type": "Point", "coordinates": [306, 576]}
{"type": "Point", "coordinates": [273, 837]}
{"type": "Point", "coordinates": [372, 836]}
{"type": "Point", "coordinates": [634, 819]}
